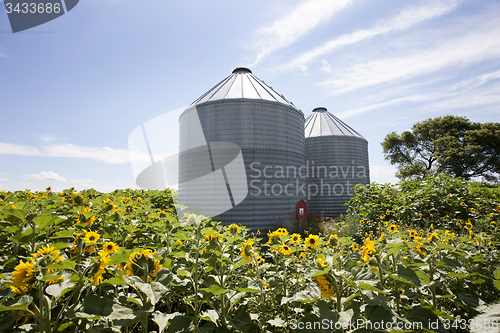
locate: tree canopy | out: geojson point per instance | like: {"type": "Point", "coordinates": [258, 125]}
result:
{"type": "Point", "coordinates": [449, 144]}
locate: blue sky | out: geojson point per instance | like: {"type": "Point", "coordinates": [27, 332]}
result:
{"type": "Point", "coordinates": [73, 89]}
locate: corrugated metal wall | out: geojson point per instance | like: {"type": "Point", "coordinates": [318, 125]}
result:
{"type": "Point", "coordinates": [346, 162]}
{"type": "Point", "coordinates": [268, 133]}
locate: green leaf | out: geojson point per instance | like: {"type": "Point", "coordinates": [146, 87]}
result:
{"type": "Point", "coordinates": [21, 303]}
{"type": "Point", "coordinates": [43, 221]}
{"type": "Point", "coordinates": [65, 264]}
{"type": "Point", "coordinates": [378, 313]}
{"type": "Point", "coordinates": [366, 286]}
{"type": "Point", "coordinates": [307, 295]}
{"type": "Point", "coordinates": [497, 284]}
{"type": "Point", "coordinates": [180, 323]}
{"type": "Point", "coordinates": [64, 326]}
{"type": "Point", "coordinates": [452, 263]}
{"type": "Point", "coordinates": [57, 290]}
{"type": "Point", "coordinates": [445, 246]}
{"type": "Point", "coordinates": [68, 233]}
{"type": "Point", "coordinates": [153, 290]}
{"type": "Point", "coordinates": [408, 274]}
{"type": "Point", "coordinates": [14, 212]}
{"type": "Point", "coordinates": [243, 322]}
{"type": "Point", "coordinates": [162, 319]}
{"type": "Point", "coordinates": [116, 281]}
{"type": "Point", "coordinates": [49, 277]}
{"type": "Point", "coordinates": [98, 305]}
{"type": "Point", "coordinates": [210, 315]}
{"type": "Point", "coordinates": [120, 257]}
{"type": "Point", "coordinates": [215, 289]}
{"type": "Point", "coordinates": [457, 275]}
{"type": "Point", "coordinates": [497, 274]}
{"type": "Point", "coordinates": [469, 300]}
{"type": "Point", "coordinates": [422, 316]}
{"type": "Point", "coordinates": [277, 322]}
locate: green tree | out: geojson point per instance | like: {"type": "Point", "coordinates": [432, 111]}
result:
{"type": "Point", "coordinates": [449, 144]}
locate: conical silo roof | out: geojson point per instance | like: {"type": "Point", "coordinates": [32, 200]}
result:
{"type": "Point", "coordinates": [242, 84]}
{"type": "Point", "coordinates": [323, 123]}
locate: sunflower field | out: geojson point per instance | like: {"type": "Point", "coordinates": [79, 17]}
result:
{"type": "Point", "coordinates": [412, 257]}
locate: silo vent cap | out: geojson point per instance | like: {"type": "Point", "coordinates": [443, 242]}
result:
{"type": "Point", "coordinates": [242, 70]}
{"type": "Point", "coordinates": [320, 109]}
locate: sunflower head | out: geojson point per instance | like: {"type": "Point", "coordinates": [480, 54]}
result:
{"type": "Point", "coordinates": [110, 248]}
{"type": "Point", "coordinates": [233, 229]}
{"type": "Point", "coordinates": [141, 261]}
{"type": "Point", "coordinates": [47, 256]}
{"type": "Point", "coordinates": [326, 286]}
{"type": "Point", "coordinates": [434, 237]}
{"type": "Point", "coordinates": [213, 238]}
{"type": "Point", "coordinates": [312, 241]}
{"type": "Point", "coordinates": [247, 250]}
{"type": "Point", "coordinates": [354, 246]}
{"type": "Point", "coordinates": [285, 249]}
{"type": "Point", "coordinates": [91, 237]}
{"type": "Point", "coordinates": [393, 228]}
{"type": "Point", "coordinates": [295, 238]}
{"type": "Point", "coordinates": [321, 263]}
{"type": "Point", "coordinates": [333, 241]}
{"type": "Point", "coordinates": [23, 275]}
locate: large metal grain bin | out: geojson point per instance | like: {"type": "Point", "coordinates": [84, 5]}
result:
{"type": "Point", "coordinates": [268, 129]}
{"type": "Point", "coordinates": [337, 159]}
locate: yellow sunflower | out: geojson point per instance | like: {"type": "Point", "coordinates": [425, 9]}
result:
{"type": "Point", "coordinates": [140, 261]}
{"type": "Point", "coordinates": [281, 232]}
{"type": "Point", "coordinates": [333, 241]}
{"type": "Point", "coordinates": [413, 233]}
{"type": "Point", "coordinates": [103, 263]}
{"type": "Point", "coordinates": [91, 237]}
{"type": "Point", "coordinates": [468, 225]}
{"type": "Point", "coordinates": [434, 237]}
{"type": "Point", "coordinates": [47, 251]}
{"type": "Point", "coordinates": [325, 286]}
{"type": "Point", "coordinates": [312, 241]}
{"type": "Point", "coordinates": [295, 238]}
{"type": "Point", "coordinates": [321, 263]}
{"type": "Point", "coordinates": [354, 246]}
{"type": "Point", "coordinates": [367, 249]}
{"type": "Point", "coordinates": [381, 237]}
{"type": "Point", "coordinates": [212, 238]}
{"type": "Point", "coordinates": [233, 229]}
{"type": "Point", "coordinates": [109, 248]}
{"type": "Point", "coordinates": [23, 274]}
{"type": "Point", "coordinates": [285, 249]}
{"type": "Point", "coordinates": [393, 228]}
{"type": "Point", "coordinates": [247, 250]}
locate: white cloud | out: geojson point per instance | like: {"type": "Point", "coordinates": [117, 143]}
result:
{"type": "Point", "coordinates": [470, 49]}
{"type": "Point", "coordinates": [46, 177]}
{"type": "Point", "coordinates": [293, 25]}
{"type": "Point", "coordinates": [11, 149]}
{"type": "Point", "coordinates": [405, 20]}
{"type": "Point", "coordinates": [326, 66]}
{"type": "Point", "coordinates": [458, 95]}
{"type": "Point", "coordinates": [48, 138]}
{"type": "Point", "coordinates": [105, 154]}
{"type": "Point", "coordinates": [304, 70]}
